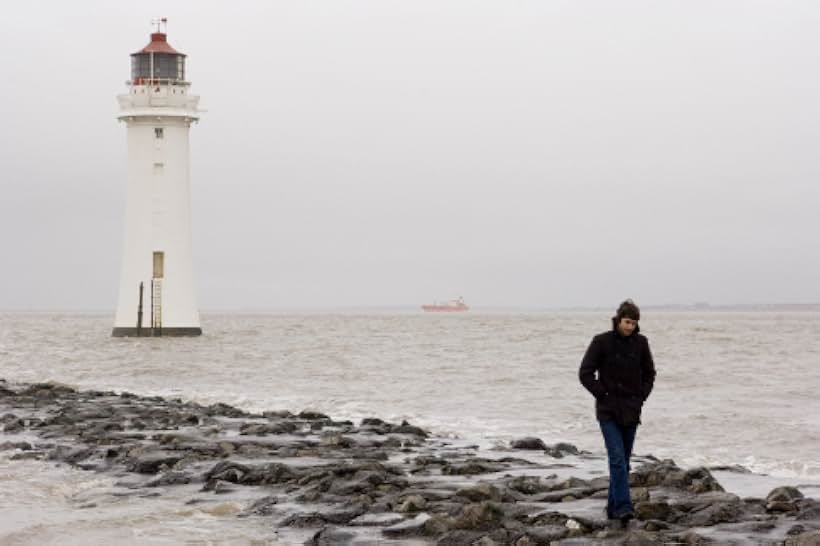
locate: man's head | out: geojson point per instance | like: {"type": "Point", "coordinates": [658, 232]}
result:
{"type": "Point", "coordinates": [626, 318]}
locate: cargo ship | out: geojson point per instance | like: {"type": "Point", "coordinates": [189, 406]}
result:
{"type": "Point", "coordinates": [447, 307]}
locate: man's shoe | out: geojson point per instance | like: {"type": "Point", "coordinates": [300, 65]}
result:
{"type": "Point", "coordinates": [626, 517]}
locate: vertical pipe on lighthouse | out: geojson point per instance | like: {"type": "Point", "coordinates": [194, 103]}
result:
{"type": "Point", "coordinates": [158, 112]}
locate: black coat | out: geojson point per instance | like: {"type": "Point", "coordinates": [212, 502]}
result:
{"type": "Point", "coordinates": [625, 375]}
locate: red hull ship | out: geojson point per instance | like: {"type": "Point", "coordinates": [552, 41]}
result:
{"type": "Point", "coordinates": [448, 307]}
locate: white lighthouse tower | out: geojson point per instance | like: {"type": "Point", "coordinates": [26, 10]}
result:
{"type": "Point", "coordinates": [157, 291]}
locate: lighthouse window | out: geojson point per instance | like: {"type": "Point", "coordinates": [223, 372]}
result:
{"type": "Point", "coordinates": [159, 132]}
{"type": "Point", "coordinates": [159, 168]}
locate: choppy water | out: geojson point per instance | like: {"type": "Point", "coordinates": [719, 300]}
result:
{"type": "Point", "coordinates": [732, 388]}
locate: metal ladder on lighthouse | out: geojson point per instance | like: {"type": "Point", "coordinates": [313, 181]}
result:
{"type": "Point", "coordinates": [156, 307]}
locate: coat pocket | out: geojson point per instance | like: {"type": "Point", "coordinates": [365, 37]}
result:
{"type": "Point", "coordinates": [630, 410]}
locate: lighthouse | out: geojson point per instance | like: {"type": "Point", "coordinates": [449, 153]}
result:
{"type": "Point", "coordinates": [157, 294]}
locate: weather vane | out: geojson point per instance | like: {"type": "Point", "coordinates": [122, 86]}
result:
{"type": "Point", "coordinates": [159, 22]}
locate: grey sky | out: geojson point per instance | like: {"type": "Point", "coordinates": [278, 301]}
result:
{"type": "Point", "coordinates": [369, 153]}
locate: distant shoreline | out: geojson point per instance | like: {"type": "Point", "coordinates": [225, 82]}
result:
{"type": "Point", "coordinates": [478, 309]}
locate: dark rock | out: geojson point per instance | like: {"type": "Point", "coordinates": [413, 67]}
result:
{"type": "Point", "coordinates": [527, 485]}
{"type": "Point", "coordinates": [270, 473]}
{"type": "Point", "coordinates": [304, 519]}
{"type": "Point", "coordinates": [811, 538]}
{"type": "Point", "coordinates": [14, 425]}
{"type": "Point", "coordinates": [151, 463]}
{"type": "Point", "coordinates": [228, 471]}
{"type": "Point", "coordinates": [313, 416]}
{"type": "Point", "coordinates": [808, 509]}
{"type": "Point", "coordinates": [411, 503]}
{"type": "Point", "coordinates": [542, 535]}
{"type": "Point", "coordinates": [459, 537]}
{"type": "Point", "coordinates": [652, 510]}
{"type": "Point", "coordinates": [407, 528]}
{"type": "Point", "coordinates": [481, 492]}
{"type": "Point", "coordinates": [666, 473]}
{"type": "Point", "coordinates": [261, 429]}
{"type": "Point", "coordinates": [785, 494]}
{"type": "Point", "coordinates": [331, 535]}
{"type": "Point", "coordinates": [407, 428]}
{"type": "Point", "coordinates": [372, 421]}
{"type": "Point", "coordinates": [336, 439]}
{"type": "Point", "coordinates": [653, 525]}
{"type": "Point", "coordinates": [529, 443]}
{"type": "Point", "coordinates": [483, 516]}
{"type": "Point", "coordinates": [23, 446]}
{"type": "Point", "coordinates": [796, 530]}
{"type": "Point", "coordinates": [470, 467]}
{"type": "Point", "coordinates": [560, 449]}
{"type": "Point", "coordinates": [377, 520]}
{"type": "Point", "coordinates": [224, 410]}
{"type": "Point", "coordinates": [283, 414]}
{"type": "Point", "coordinates": [171, 478]}
{"type": "Point", "coordinates": [712, 514]}
{"type": "Point", "coordinates": [736, 468]}
{"type": "Point", "coordinates": [70, 454]}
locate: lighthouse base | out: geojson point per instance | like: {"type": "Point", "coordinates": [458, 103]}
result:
{"type": "Point", "coordinates": [156, 332]}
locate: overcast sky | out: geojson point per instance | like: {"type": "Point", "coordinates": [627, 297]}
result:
{"type": "Point", "coordinates": [376, 152]}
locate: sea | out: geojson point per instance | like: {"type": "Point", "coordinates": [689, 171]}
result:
{"type": "Point", "coordinates": [733, 388]}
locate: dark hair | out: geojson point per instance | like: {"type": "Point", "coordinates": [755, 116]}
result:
{"type": "Point", "coordinates": [627, 309]}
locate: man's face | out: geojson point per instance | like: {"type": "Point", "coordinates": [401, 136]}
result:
{"type": "Point", "coordinates": [626, 326]}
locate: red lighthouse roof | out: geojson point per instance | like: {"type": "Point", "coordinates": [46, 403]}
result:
{"type": "Point", "coordinates": [159, 44]}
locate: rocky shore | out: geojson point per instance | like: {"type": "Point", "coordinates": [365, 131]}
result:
{"type": "Point", "coordinates": [322, 481]}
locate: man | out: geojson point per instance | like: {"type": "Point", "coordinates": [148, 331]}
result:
{"type": "Point", "coordinates": [619, 372]}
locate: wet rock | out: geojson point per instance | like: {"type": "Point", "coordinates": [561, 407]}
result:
{"type": "Point", "coordinates": [8, 446]}
{"type": "Point", "coordinates": [542, 535]}
{"type": "Point", "coordinates": [377, 520]}
{"type": "Point", "coordinates": [312, 416]}
{"type": "Point", "coordinates": [331, 535]}
{"type": "Point", "coordinates": [336, 439]}
{"type": "Point", "coordinates": [666, 473]}
{"type": "Point", "coordinates": [407, 528]}
{"type": "Point", "coordinates": [471, 467]}
{"type": "Point", "coordinates": [808, 509]}
{"type": "Point", "coordinates": [270, 473]}
{"type": "Point", "coordinates": [560, 449]}
{"type": "Point", "coordinates": [460, 537]}
{"type": "Point", "coordinates": [482, 516]}
{"type": "Point", "coordinates": [407, 428]}
{"type": "Point", "coordinates": [639, 494]}
{"type": "Point", "coordinates": [529, 443]}
{"type": "Point", "coordinates": [224, 410]}
{"type": "Point", "coordinates": [265, 506]}
{"type": "Point", "coordinates": [654, 525]}
{"type": "Point", "coordinates": [171, 478]}
{"type": "Point", "coordinates": [652, 511]}
{"type": "Point", "coordinates": [14, 425]}
{"type": "Point", "coordinates": [281, 414]}
{"type": "Point", "coordinates": [412, 503]}
{"type": "Point", "coordinates": [736, 468]}
{"type": "Point", "coordinates": [261, 429]}
{"type": "Point", "coordinates": [481, 492]}
{"type": "Point", "coordinates": [712, 514]}
{"type": "Point", "coordinates": [811, 538]}
{"type": "Point", "coordinates": [304, 519]}
{"type": "Point", "coordinates": [528, 485]}
{"type": "Point", "coordinates": [228, 471]}
{"type": "Point", "coordinates": [70, 454]}
{"type": "Point", "coordinates": [151, 463]}
{"type": "Point", "coordinates": [782, 499]}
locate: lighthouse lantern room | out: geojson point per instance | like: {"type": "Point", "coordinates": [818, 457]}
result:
{"type": "Point", "coordinates": [157, 294]}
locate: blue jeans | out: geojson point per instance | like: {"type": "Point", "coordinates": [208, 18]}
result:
{"type": "Point", "coordinates": [619, 441]}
